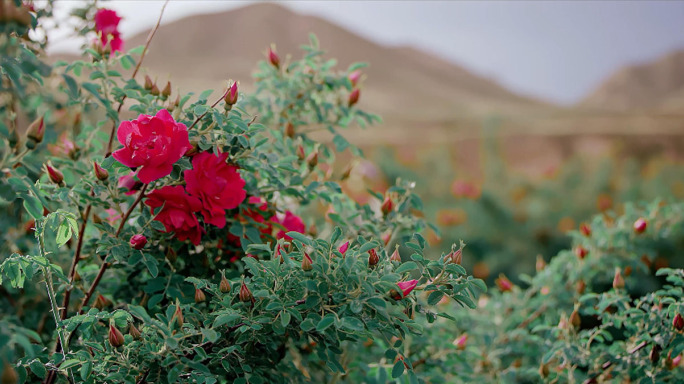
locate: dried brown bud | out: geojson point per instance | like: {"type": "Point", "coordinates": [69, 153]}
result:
{"type": "Point", "coordinates": [290, 130]}
{"type": "Point", "coordinates": [224, 286]}
{"type": "Point", "coordinates": [134, 332]}
{"type": "Point", "coordinates": [200, 297]}
{"type": "Point", "coordinates": [166, 92]}
{"type": "Point", "coordinates": [307, 263]}
{"type": "Point", "coordinates": [575, 319]}
{"type": "Point", "coordinates": [178, 315]}
{"type": "Point", "coordinates": [155, 90]}
{"type": "Point", "coordinates": [35, 133]}
{"type": "Point", "coordinates": [618, 280]}
{"type": "Point", "coordinates": [148, 83]}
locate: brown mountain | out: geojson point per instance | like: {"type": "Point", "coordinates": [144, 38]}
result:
{"type": "Point", "coordinates": [653, 85]}
{"type": "Point", "coordinates": [403, 84]}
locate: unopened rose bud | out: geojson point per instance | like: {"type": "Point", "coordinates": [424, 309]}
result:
{"type": "Point", "coordinates": [312, 159]}
{"type": "Point", "coordinates": [278, 254]}
{"type": "Point", "coordinates": [618, 281]}
{"type": "Point", "coordinates": [347, 172]}
{"type": "Point", "coordinates": [575, 319]}
{"type": "Point", "coordinates": [301, 155]}
{"type": "Point", "coordinates": [231, 96]}
{"type": "Point", "coordinates": [154, 91]}
{"type": "Point", "coordinates": [654, 356]}
{"type": "Point", "coordinates": [640, 226]}
{"type": "Point", "coordinates": [166, 92]}
{"type": "Point", "coordinates": [387, 206]}
{"type": "Point", "coordinates": [405, 287]}
{"type": "Point", "coordinates": [395, 255]}
{"type": "Point", "coordinates": [290, 130]}
{"type": "Point", "coordinates": [386, 237]}
{"type": "Point", "coordinates": [581, 286]}
{"type": "Point", "coordinates": [116, 338]}
{"type": "Point", "coordinates": [200, 297]}
{"type": "Point", "coordinates": [35, 133]}
{"type": "Point", "coordinates": [503, 283]}
{"type": "Point", "coordinates": [373, 258]}
{"type": "Point", "coordinates": [273, 57]}
{"type": "Point", "coordinates": [224, 286]}
{"type": "Point", "coordinates": [677, 360]}
{"type": "Point", "coordinates": [245, 294]}
{"type": "Point", "coordinates": [563, 323]}
{"type": "Point", "coordinates": [178, 315]}
{"type": "Point", "coordinates": [585, 229]}
{"type": "Point", "coordinates": [148, 83]}
{"type": "Point", "coordinates": [354, 77]}
{"type": "Point", "coordinates": [354, 97]}
{"type": "Point", "coordinates": [461, 341]}
{"type": "Point", "coordinates": [100, 172]}
{"type": "Point", "coordinates": [55, 175]}
{"type": "Point", "coordinates": [138, 241]}
{"type": "Point", "coordinates": [343, 248]}
{"type": "Point", "coordinates": [134, 332]}
{"type": "Point", "coordinates": [9, 375]}
{"type": "Point", "coordinates": [540, 264]}
{"type": "Point", "coordinates": [457, 256]}
{"type": "Point", "coordinates": [307, 263]}
{"type": "Point", "coordinates": [678, 322]}
{"type": "Point", "coordinates": [581, 252]}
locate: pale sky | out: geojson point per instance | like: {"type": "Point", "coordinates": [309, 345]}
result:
{"type": "Point", "coordinates": [554, 50]}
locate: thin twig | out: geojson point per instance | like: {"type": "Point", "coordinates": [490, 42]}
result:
{"type": "Point", "coordinates": [77, 258]}
{"type": "Point", "coordinates": [212, 106]}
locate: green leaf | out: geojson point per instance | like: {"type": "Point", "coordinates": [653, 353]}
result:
{"type": "Point", "coordinates": [325, 322]}
{"type": "Point", "coordinates": [33, 206]}
{"type": "Point", "coordinates": [398, 369]}
{"type": "Point", "coordinates": [409, 265]}
{"type": "Point", "coordinates": [435, 297]}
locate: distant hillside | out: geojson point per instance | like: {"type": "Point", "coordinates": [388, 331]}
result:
{"type": "Point", "coordinates": [654, 85]}
{"type": "Point", "coordinates": [404, 84]}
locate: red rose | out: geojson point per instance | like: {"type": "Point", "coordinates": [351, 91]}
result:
{"type": "Point", "coordinates": [177, 213]}
{"type": "Point", "coordinates": [107, 24]}
{"type": "Point", "coordinates": [290, 222]}
{"type": "Point", "coordinates": [153, 143]}
{"type": "Point", "coordinates": [217, 184]}
{"type": "Point", "coordinates": [130, 184]}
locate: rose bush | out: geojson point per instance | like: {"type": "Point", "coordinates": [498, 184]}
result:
{"type": "Point", "coordinates": [189, 244]}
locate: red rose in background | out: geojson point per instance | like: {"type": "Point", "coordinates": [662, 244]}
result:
{"type": "Point", "coordinates": [217, 184]}
{"type": "Point", "coordinates": [153, 143]}
{"type": "Point", "coordinates": [291, 222]}
{"type": "Point", "coordinates": [130, 184]}
{"type": "Point", "coordinates": [107, 24]}
{"type": "Point", "coordinates": [177, 213]}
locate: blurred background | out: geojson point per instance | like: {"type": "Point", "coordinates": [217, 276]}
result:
{"type": "Point", "coordinates": [518, 120]}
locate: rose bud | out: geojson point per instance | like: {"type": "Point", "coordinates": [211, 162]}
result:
{"type": "Point", "coordinates": [166, 92]}
{"type": "Point", "coordinates": [231, 96]}
{"type": "Point", "coordinates": [174, 105]}
{"type": "Point", "coordinates": [273, 57]}
{"type": "Point", "coordinates": [278, 254]}
{"type": "Point", "coordinates": [138, 241]}
{"type": "Point", "coordinates": [116, 338]}
{"type": "Point", "coordinates": [312, 159]}
{"type": "Point", "coordinates": [618, 281]}
{"type": "Point", "coordinates": [585, 229]}
{"type": "Point", "coordinates": [581, 252]}
{"type": "Point", "coordinates": [677, 360]}
{"type": "Point", "coordinates": [100, 172]}
{"type": "Point", "coordinates": [581, 286]}
{"type": "Point", "coordinates": [35, 133]}
{"type": "Point", "coordinates": [540, 264]}
{"type": "Point", "coordinates": [154, 91]}
{"type": "Point", "coordinates": [199, 296]}
{"type": "Point", "coordinates": [386, 237]}
{"type": "Point", "coordinates": [55, 175]}
{"type": "Point", "coordinates": [395, 255]}
{"type": "Point", "coordinates": [290, 130]}
{"type": "Point", "coordinates": [640, 226]}
{"type": "Point", "coordinates": [343, 248]}
{"type": "Point", "coordinates": [354, 77]}
{"type": "Point", "coordinates": [373, 257]}
{"type": "Point", "coordinates": [245, 294]}
{"type": "Point", "coordinates": [354, 97]}
{"type": "Point", "coordinates": [300, 153]}
{"type": "Point", "coordinates": [307, 263]}
{"type": "Point", "coordinates": [9, 375]}
{"type": "Point", "coordinates": [130, 183]}
{"type": "Point", "coordinates": [457, 256]}
{"type": "Point", "coordinates": [101, 302]}
{"type": "Point", "coordinates": [347, 172]}
{"type": "Point", "coordinates": [503, 283]}
{"type": "Point", "coordinates": [460, 342]}
{"type": "Point", "coordinates": [678, 322]}
{"type": "Point", "coordinates": [178, 315]}
{"type": "Point", "coordinates": [387, 206]}
{"type": "Point", "coordinates": [406, 287]}
{"type": "Point", "coordinates": [134, 332]}
{"type": "Point", "coordinates": [148, 83]}
{"type": "Point", "coordinates": [575, 319]}
{"type": "Point", "coordinates": [224, 286]}
{"type": "Point", "coordinates": [654, 356]}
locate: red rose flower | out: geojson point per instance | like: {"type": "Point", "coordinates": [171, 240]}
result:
{"type": "Point", "coordinates": [107, 25]}
{"type": "Point", "coordinates": [153, 143]}
{"type": "Point", "coordinates": [130, 184]}
{"type": "Point", "coordinates": [217, 184]}
{"type": "Point", "coordinates": [290, 222]}
{"type": "Point", "coordinates": [177, 213]}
